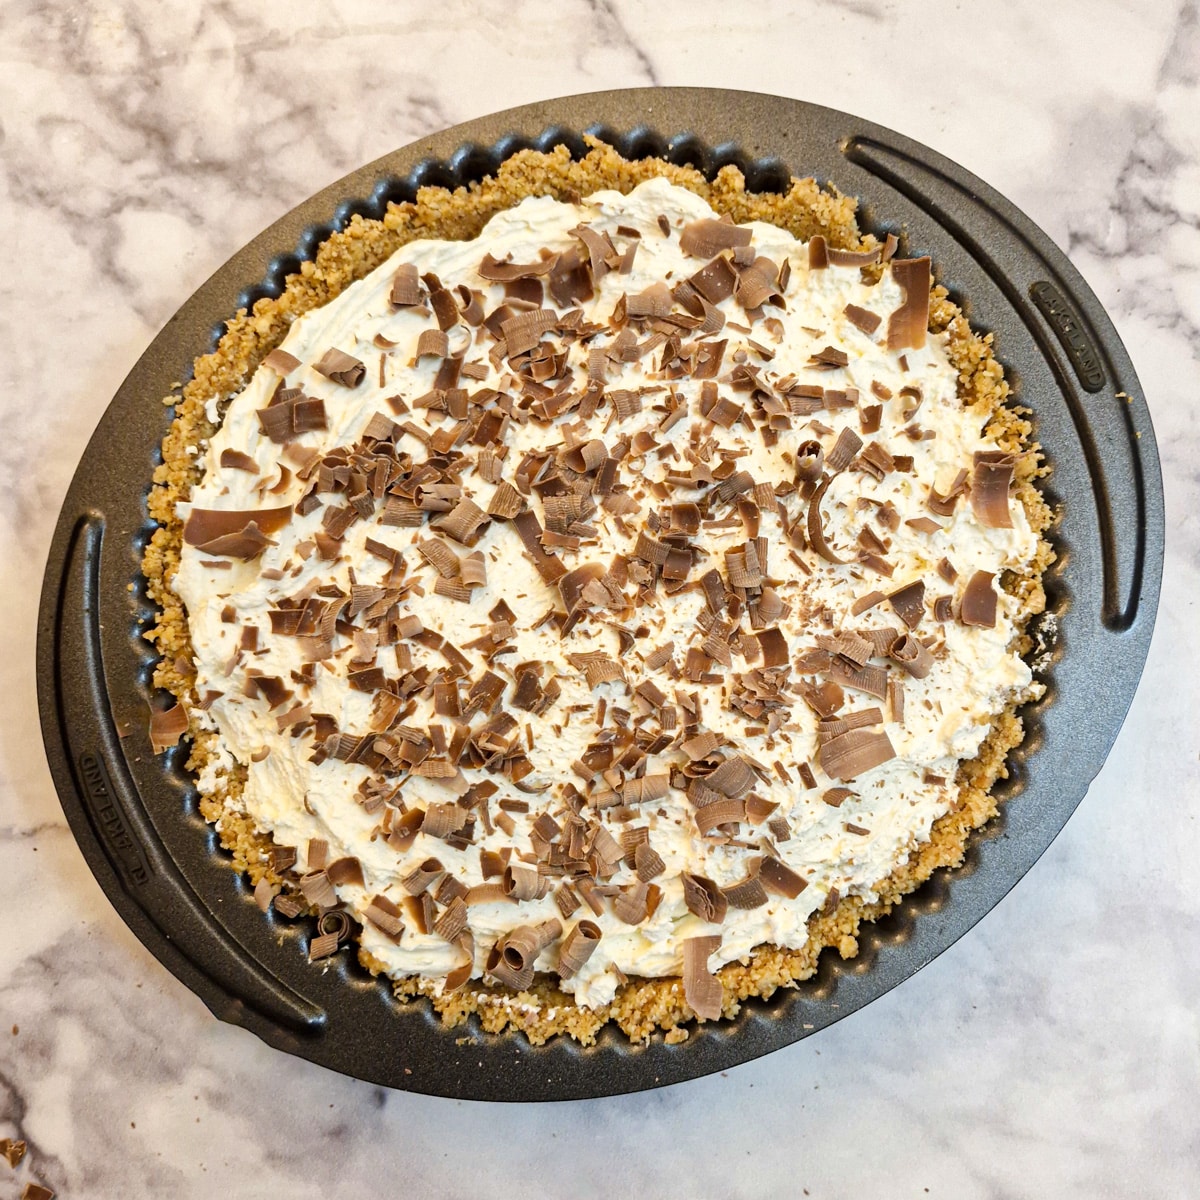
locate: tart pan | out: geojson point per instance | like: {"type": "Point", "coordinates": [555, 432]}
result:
{"type": "Point", "coordinates": [135, 814]}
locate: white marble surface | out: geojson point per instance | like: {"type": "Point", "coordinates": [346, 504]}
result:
{"type": "Point", "coordinates": [1055, 1051]}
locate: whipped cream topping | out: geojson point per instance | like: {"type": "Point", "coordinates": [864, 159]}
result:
{"type": "Point", "coordinates": [843, 844]}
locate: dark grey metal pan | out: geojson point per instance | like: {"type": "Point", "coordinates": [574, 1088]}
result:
{"type": "Point", "coordinates": [134, 814]}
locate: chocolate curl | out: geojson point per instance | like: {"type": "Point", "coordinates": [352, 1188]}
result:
{"type": "Point", "coordinates": [701, 988]}
{"type": "Point", "coordinates": [707, 237]}
{"type": "Point", "coordinates": [979, 601]}
{"type": "Point", "coordinates": [459, 976]}
{"type": "Point", "coordinates": [341, 367]}
{"type": "Point", "coordinates": [520, 883]}
{"type": "Point", "coordinates": [990, 482]}
{"type": "Point", "coordinates": [810, 461]}
{"type": "Point", "coordinates": [912, 655]}
{"type": "Point", "coordinates": [511, 960]}
{"type": "Point", "coordinates": [747, 893]}
{"type": "Point", "coordinates": [281, 362]}
{"type": "Point", "coordinates": [816, 531]}
{"type": "Point", "coordinates": [167, 727]}
{"type": "Point", "coordinates": [406, 286]}
{"type": "Point", "coordinates": [577, 947]}
{"type": "Point", "coordinates": [850, 754]}
{"type": "Point", "coordinates": [422, 876]}
{"type": "Point", "coordinates": [908, 324]}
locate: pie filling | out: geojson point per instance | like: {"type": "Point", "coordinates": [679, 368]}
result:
{"type": "Point", "coordinates": [603, 596]}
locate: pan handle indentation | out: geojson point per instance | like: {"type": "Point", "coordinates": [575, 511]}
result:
{"type": "Point", "coordinates": [1057, 324]}
{"type": "Point", "coordinates": [116, 818]}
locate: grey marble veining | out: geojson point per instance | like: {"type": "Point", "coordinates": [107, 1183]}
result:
{"type": "Point", "coordinates": [1054, 1051]}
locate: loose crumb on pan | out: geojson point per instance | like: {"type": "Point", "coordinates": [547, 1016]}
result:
{"type": "Point", "coordinates": [641, 1006]}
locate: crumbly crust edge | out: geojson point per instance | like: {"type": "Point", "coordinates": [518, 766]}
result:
{"type": "Point", "coordinates": [641, 1006]}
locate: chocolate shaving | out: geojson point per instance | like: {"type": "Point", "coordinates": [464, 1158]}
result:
{"type": "Point", "coordinates": [645, 789]}
{"type": "Point", "coordinates": [317, 889]}
{"type": "Point", "coordinates": [600, 249]}
{"type": "Point", "coordinates": [474, 570]}
{"type": "Point", "coordinates": [345, 871]}
{"type": "Point", "coordinates": [779, 878]}
{"type": "Point", "coordinates": [724, 810]}
{"type": "Point", "coordinates": [441, 301]}
{"type": "Point", "coordinates": [288, 906]}
{"type": "Point", "coordinates": [406, 286]}
{"type": "Point", "coordinates": [322, 946]}
{"type": "Point", "coordinates": [452, 921]}
{"type": "Point", "coordinates": [979, 598]}
{"type": "Point", "coordinates": [232, 532]}
{"type": "Point", "coordinates": [506, 501]}
{"type": "Point", "coordinates": [12, 1152]}
{"type": "Point", "coordinates": [340, 367]}
{"type": "Point", "coordinates": [235, 460]}
{"type": "Point", "coordinates": [855, 258]}
{"type": "Point", "coordinates": [829, 356]}
{"type": "Point", "coordinates": [872, 680]}
{"type": "Point", "coordinates": [924, 525]}
{"type": "Point", "coordinates": [281, 362]}
{"type": "Point", "coordinates": [848, 444]}
{"type": "Point", "coordinates": [167, 726]}
{"type": "Point", "coordinates": [572, 585]}
{"type": "Point", "coordinates": [654, 301]}
{"type": "Point", "coordinates": [707, 237]}
{"type": "Point", "coordinates": [570, 279]}
{"type": "Point", "coordinates": [714, 282]}
{"type": "Point", "coordinates": [824, 699]}
{"type": "Point", "coordinates": [701, 988]}
{"type": "Point", "coordinates": [847, 756]}
{"type": "Point", "coordinates": [758, 284]}
{"type": "Point", "coordinates": [703, 898]}
{"type": "Point", "coordinates": [943, 505]}
{"type": "Point", "coordinates": [990, 482]}
{"type": "Point", "coordinates": [648, 862]}
{"type": "Point", "coordinates": [523, 331]}
{"type": "Point", "coordinates": [433, 342]}
{"type": "Point", "coordinates": [908, 325]}
{"type": "Point", "coordinates": [733, 777]}
{"type": "Point", "coordinates": [462, 522]}
{"type": "Point", "coordinates": [837, 796]}
{"type": "Point", "coordinates": [385, 916]}
{"type": "Point", "coordinates": [862, 318]}
{"type": "Point", "coordinates": [908, 603]}
{"type": "Point", "coordinates": [505, 272]}
{"type": "Point", "coordinates": [520, 883]}
{"type": "Point", "coordinates": [440, 557]}
{"type": "Point", "coordinates": [747, 893]}
{"type": "Point", "coordinates": [629, 904]}
{"type": "Point", "coordinates": [818, 253]}
{"type": "Point", "coordinates": [597, 667]}
{"type": "Point", "coordinates": [549, 566]}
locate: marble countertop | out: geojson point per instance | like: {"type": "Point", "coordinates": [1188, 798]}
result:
{"type": "Point", "coordinates": [1054, 1051]}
